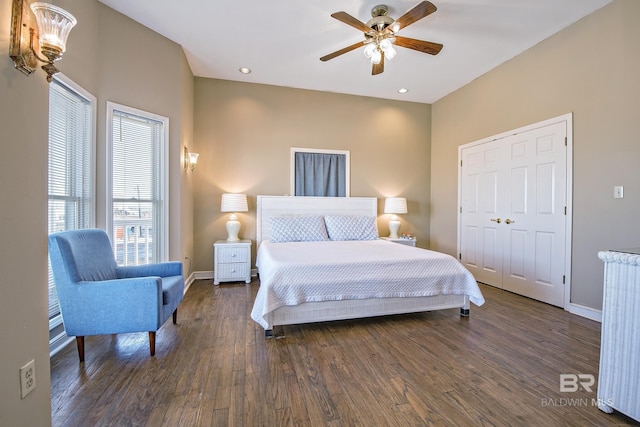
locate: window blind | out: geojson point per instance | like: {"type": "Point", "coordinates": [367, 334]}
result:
{"type": "Point", "coordinates": [71, 198]}
{"type": "Point", "coordinates": [137, 188]}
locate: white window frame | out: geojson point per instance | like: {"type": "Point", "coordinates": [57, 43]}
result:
{"type": "Point", "coordinates": [60, 340]}
{"type": "Point", "coordinates": [292, 169]}
{"type": "Point", "coordinates": [164, 181]}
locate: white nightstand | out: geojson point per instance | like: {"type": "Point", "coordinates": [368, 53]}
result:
{"type": "Point", "coordinates": [231, 261]}
{"type": "Point", "coordinates": [408, 242]}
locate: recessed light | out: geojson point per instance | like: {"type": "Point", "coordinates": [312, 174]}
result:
{"type": "Point", "coordinates": [245, 70]}
{"type": "Point", "coordinates": [403, 90]}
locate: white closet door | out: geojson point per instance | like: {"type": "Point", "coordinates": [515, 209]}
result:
{"type": "Point", "coordinates": [534, 246]}
{"type": "Point", "coordinates": [512, 213]}
{"type": "Point", "coordinates": [483, 175]}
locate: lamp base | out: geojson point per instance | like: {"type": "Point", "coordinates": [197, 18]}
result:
{"type": "Point", "coordinates": [394, 226]}
{"type": "Point", "coordinates": [233, 227]}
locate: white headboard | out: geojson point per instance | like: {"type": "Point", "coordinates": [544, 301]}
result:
{"type": "Point", "coordinates": [269, 206]}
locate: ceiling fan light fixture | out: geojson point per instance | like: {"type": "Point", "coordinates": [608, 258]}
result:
{"type": "Point", "coordinates": [369, 49]}
{"type": "Point", "coordinates": [390, 52]}
{"type": "Point", "coordinates": [380, 34]}
{"type": "Point", "coordinates": [376, 56]}
{"type": "Point", "coordinates": [387, 48]}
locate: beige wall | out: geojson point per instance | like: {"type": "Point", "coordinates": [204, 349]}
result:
{"type": "Point", "coordinates": [590, 69]}
{"type": "Point", "coordinates": [145, 71]}
{"type": "Point", "coordinates": [244, 132]}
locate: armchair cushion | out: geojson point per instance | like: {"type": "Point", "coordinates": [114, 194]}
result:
{"type": "Point", "coordinates": [89, 255]}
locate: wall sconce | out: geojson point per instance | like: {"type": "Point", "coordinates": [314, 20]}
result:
{"type": "Point", "coordinates": [49, 39]}
{"type": "Point", "coordinates": [189, 159]}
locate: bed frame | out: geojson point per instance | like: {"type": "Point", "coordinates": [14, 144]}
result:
{"type": "Point", "coordinates": [268, 206]}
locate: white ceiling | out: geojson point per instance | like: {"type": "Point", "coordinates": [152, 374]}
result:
{"type": "Point", "coordinates": [282, 41]}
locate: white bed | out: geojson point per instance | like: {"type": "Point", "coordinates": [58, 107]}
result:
{"type": "Point", "coordinates": [304, 282]}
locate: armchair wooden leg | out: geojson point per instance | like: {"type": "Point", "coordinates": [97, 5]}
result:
{"type": "Point", "coordinates": [80, 344]}
{"type": "Point", "coordinates": [152, 343]}
{"type": "Point", "coordinates": [175, 316]}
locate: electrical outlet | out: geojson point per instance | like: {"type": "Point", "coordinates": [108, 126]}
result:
{"type": "Point", "coordinates": [27, 378]}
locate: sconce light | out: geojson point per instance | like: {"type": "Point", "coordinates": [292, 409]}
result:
{"type": "Point", "coordinates": [49, 39]}
{"type": "Point", "coordinates": [189, 159]}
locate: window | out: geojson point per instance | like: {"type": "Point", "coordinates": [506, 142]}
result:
{"type": "Point", "coordinates": [319, 172]}
{"type": "Point", "coordinates": [137, 205]}
{"type": "Point", "coordinates": [71, 188]}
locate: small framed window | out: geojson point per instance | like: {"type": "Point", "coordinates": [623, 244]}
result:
{"type": "Point", "coordinates": [137, 185]}
{"type": "Point", "coordinates": [318, 172]}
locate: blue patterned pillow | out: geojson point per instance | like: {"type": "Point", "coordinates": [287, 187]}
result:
{"type": "Point", "coordinates": [297, 229]}
{"type": "Point", "coordinates": [351, 227]}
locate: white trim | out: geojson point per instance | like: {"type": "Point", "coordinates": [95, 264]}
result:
{"type": "Point", "coordinates": [203, 275]}
{"type": "Point", "coordinates": [111, 106]}
{"type": "Point", "coordinates": [568, 119]}
{"type": "Point", "coordinates": [59, 343]}
{"type": "Point", "coordinates": [588, 312]}
{"type": "Point", "coordinates": [292, 167]}
{"type": "Point", "coordinates": [206, 275]}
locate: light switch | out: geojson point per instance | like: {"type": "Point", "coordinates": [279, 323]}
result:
{"type": "Point", "coordinates": [618, 192]}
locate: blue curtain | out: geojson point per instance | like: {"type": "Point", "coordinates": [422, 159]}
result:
{"type": "Point", "coordinates": [320, 174]}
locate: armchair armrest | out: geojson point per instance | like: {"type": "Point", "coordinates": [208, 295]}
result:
{"type": "Point", "coordinates": [161, 269]}
{"type": "Point", "coordinates": [113, 306]}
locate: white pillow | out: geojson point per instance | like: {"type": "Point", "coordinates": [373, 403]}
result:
{"type": "Point", "coordinates": [351, 227]}
{"type": "Point", "coordinates": [297, 229]}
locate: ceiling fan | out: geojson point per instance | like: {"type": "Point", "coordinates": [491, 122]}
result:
{"type": "Point", "coordinates": [380, 34]}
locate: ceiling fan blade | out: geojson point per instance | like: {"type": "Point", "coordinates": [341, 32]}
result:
{"type": "Point", "coordinates": [378, 68]}
{"type": "Point", "coordinates": [419, 45]}
{"type": "Point", "coordinates": [418, 12]}
{"type": "Point", "coordinates": [350, 20]}
{"type": "Point", "coordinates": [341, 51]}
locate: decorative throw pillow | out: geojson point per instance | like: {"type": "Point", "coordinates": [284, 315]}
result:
{"type": "Point", "coordinates": [297, 229]}
{"type": "Point", "coordinates": [351, 227]}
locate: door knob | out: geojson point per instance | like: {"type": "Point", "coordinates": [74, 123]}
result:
{"type": "Point", "coordinates": [498, 220]}
{"type": "Point", "coordinates": [508, 221]}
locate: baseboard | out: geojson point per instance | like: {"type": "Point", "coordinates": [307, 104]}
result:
{"type": "Point", "coordinates": [589, 313]}
{"type": "Point", "coordinates": [209, 274]}
{"type": "Point", "coordinates": [188, 281]}
{"type": "Point", "coordinates": [201, 275]}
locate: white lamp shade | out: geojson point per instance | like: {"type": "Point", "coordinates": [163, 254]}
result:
{"type": "Point", "coordinates": [232, 202]}
{"type": "Point", "coordinates": [395, 205]}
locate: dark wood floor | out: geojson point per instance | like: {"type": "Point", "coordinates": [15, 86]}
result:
{"type": "Point", "coordinates": [499, 367]}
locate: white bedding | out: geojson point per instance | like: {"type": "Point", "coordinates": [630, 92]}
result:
{"type": "Point", "coordinates": [296, 272]}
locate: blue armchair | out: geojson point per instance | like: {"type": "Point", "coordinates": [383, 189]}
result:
{"type": "Point", "coordinates": [97, 297]}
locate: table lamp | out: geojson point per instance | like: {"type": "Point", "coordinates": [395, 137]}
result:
{"type": "Point", "coordinates": [395, 205]}
{"type": "Point", "coordinates": [233, 203]}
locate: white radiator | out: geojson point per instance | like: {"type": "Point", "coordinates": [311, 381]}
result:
{"type": "Point", "coordinates": [619, 376]}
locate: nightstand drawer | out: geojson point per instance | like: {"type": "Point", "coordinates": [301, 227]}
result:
{"type": "Point", "coordinates": [233, 271]}
{"type": "Point", "coordinates": [232, 254]}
